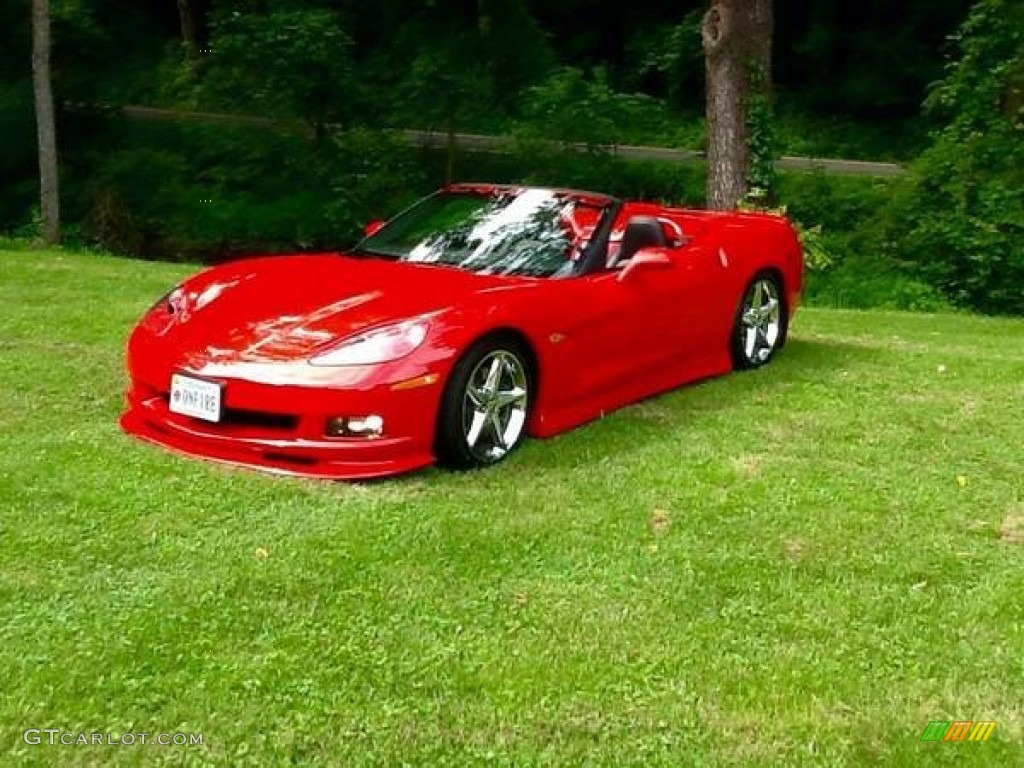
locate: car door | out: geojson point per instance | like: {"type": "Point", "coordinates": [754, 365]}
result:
{"type": "Point", "coordinates": [610, 337]}
{"type": "Point", "coordinates": [609, 331]}
{"type": "Point", "coordinates": [694, 299]}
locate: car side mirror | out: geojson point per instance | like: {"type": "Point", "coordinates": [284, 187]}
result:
{"type": "Point", "coordinates": [645, 260]}
{"type": "Point", "coordinates": [373, 227]}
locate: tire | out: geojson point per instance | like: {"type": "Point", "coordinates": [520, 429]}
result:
{"type": "Point", "coordinates": [761, 323]}
{"type": "Point", "coordinates": [485, 405]}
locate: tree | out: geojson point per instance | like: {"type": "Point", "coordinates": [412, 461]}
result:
{"type": "Point", "coordinates": [736, 35]}
{"type": "Point", "coordinates": [46, 129]}
{"type": "Point", "coordinates": [287, 62]}
{"type": "Point", "coordinates": [552, 109]}
{"type": "Point", "coordinates": [722, 35]}
{"type": "Point", "coordinates": [761, 32]}
{"type": "Point", "coordinates": [462, 63]}
{"type": "Point", "coordinates": [189, 36]}
{"type": "Point", "coordinates": [963, 227]}
{"type": "Point", "coordinates": [444, 87]}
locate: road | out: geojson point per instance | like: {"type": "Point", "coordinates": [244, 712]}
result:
{"type": "Point", "coordinates": [471, 142]}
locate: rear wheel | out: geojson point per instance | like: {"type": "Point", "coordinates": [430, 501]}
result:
{"type": "Point", "coordinates": [485, 405]}
{"type": "Point", "coordinates": [761, 322]}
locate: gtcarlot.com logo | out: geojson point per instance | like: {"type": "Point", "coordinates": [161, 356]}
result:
{"type": "Point", "coordinates": [59, 737]}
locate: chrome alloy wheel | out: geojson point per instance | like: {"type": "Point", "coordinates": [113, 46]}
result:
{"type": "Point", "coordinates": [495, 404]}
{"type": "Point", "coordinates": [761, 321]}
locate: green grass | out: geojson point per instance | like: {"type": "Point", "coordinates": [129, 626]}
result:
{"type": "Point", "coordinates": [802, 565]}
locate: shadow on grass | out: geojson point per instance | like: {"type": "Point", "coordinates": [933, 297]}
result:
{"type": "Point", "coordinates": [661, 417]}
{"type": "Point", "coordinates": [817, 356]}
{"type": "Point", "coordinates": [700, 405]}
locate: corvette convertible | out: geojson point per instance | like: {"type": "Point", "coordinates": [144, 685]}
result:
{"type": "Point", "coordinates": [478, 316]}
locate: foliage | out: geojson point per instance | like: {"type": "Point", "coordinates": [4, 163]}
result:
{"type": "Point", "coordinates": [864, 60]}
{"type": "Point", "coordinates": [517, 53]}
{"type": "Point", "coordinates": [135, 197]}
{"type": "Point", "coordinates": [286, 61]}
{"type": "Point", "coordinates": [817, 257]}
{"type": "Point", "coordinates": [572, 107]}
{"type": "Point", "coordinates": [188, 192]}
{"type": "Point", "coordinates": [245, 190]}
{"type": "Point", "coordinates": [866, 281]}
{"type": "Point", "coordinates": [886, 138]}
{"type": "Point", "coordinates": [369, 176]}
{"type": "Point", "coordinates": [762, 146]}
{"type": "Point", "coordinates": [441, 87]}
{"type": "Point", "coordinates": [566, 71]}
{"type": "Point", "coordinates": [669, 55]}
{"type": "Point", "coordinates": [98, 50]}
{"type": "Point", "coordinates": [443, 59]}
{"type": "Point", "coordinates": [966, 211]}
{"type": "Point", "coordinates": [841, 224]}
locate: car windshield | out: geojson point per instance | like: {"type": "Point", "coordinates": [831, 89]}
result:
{"type": "Point", "coordinates": [526, 232]}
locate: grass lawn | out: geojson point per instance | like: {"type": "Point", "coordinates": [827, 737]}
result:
{"type": "Point", "coordinates": [802, 565]}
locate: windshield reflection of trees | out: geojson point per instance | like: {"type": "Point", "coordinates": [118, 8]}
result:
{"type": "Point", "coordinates": [527, 234]}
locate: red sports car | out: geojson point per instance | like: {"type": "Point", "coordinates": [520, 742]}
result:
{"type": "Point", "coordinates": [481, 314]}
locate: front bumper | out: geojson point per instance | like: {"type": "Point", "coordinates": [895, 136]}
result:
{"type": "Point", "coordinates": [280, 429]}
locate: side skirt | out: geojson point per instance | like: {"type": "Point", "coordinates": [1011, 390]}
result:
{"type": "Point", "coordinates": [554, 422]}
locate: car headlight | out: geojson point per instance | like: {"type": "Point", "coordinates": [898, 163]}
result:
{"type": "Point", "coordinates": [166, 312]}
{"type": "Point", "coordinates": [381, 345]}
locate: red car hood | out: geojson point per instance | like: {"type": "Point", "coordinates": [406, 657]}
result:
{"type": "Point", "coordinates": [285, 308]}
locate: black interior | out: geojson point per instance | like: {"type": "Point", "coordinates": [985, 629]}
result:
{"type": "Point", "coordinates": [595, 253]}
{"type": "Point", "coordinates": [641, 232]}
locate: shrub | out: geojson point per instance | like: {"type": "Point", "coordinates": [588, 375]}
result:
{"type": "Point", "coordinates": [570, 106]}
{"type": "Point", "coordinates": [212, 192]}
{"type": "Point", "coordinates": [177, 191]}
{"type": "Point", "coordinates": [285, 61]}
{"type": "Point", "coordinates": [967, 205]}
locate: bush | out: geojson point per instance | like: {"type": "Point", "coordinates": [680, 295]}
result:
{"type": "Point", "coordinates": [847, 216]}
{"type": "Point", "coordinates": [180, 191]}
{"type": "Point", "coordinates": [212, 192]}
{"type": "Point", "coordinates": [572, 107]}
{"type": "Point", "coordinates": [863, 280]}
{"type": "Point", "coordinates": [967, 204]}
{"type": "Point", "coordinates": [285, 61]}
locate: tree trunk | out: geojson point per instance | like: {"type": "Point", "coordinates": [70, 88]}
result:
{"type": "Point", "coordinates": [46, 129]}
{"type": "Point", "coordinates": [188, 29]}
{"type": "Point", "coordinates": [723, 34]}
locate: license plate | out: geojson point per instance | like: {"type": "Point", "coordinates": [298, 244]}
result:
{"type": "Point", "coordinates": [197, 398]}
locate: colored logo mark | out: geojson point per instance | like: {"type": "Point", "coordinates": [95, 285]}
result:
{"type": "Point", "coordinates": [958, 730]}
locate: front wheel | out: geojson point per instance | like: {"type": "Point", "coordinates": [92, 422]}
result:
{"type": "Point", "coordinates": [485, 405]}
{"type": "Point", "coordinates": [761, 323]}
